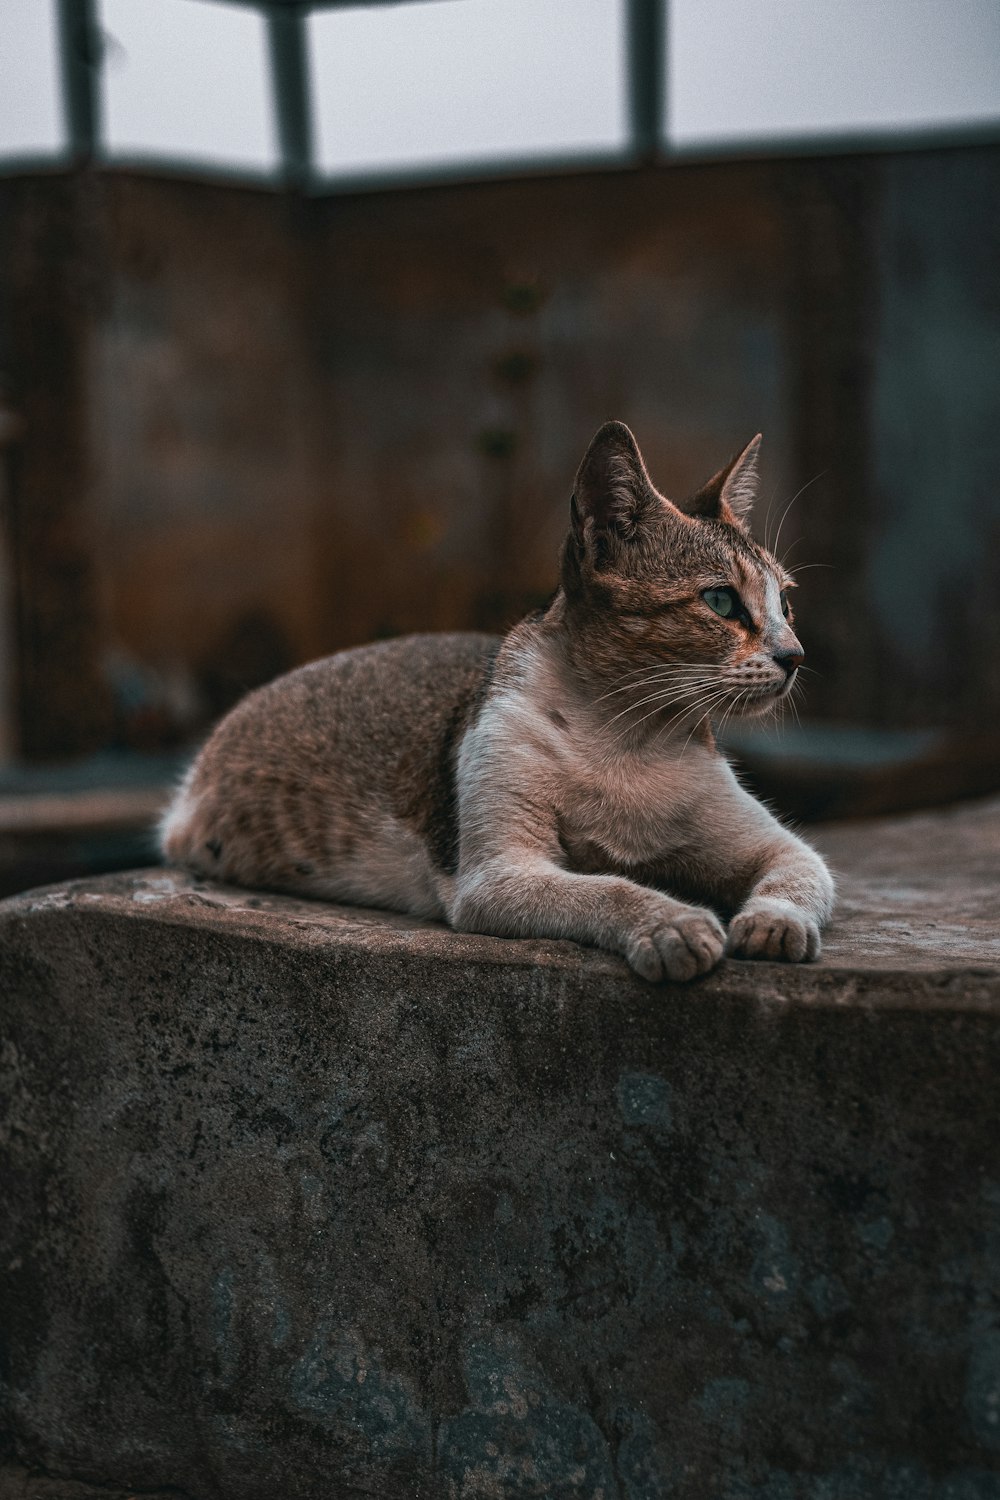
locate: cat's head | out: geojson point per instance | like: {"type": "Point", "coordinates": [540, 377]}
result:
{"type": "Point", "coordinates": [672, 603]}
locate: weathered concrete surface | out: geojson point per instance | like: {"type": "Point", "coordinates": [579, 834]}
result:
{"type": "Point", "coordinates": [19, 1483]}
{"type": "Point", "coordinates": [920, 893]}
{"type": "Point", "coordinates": [305, 1201]}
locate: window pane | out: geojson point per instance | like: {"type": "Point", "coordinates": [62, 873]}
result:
{"type": "Point", "coordinates": [467, 81]}
{"type": "Point", "coordinates": [31, 111]}
{"type": "Point", "coordinates": [768, 70]}
{"type": "Point", "coordinates": [187, 80]}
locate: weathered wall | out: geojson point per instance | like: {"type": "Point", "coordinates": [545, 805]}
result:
{"type": "Point", "coordinates": [363, 416]}
{"type": "Point", "coordinates": [302, 1200]}
{"type": "Point", "coordinates": [201, 413]}
{"type": "Point", "coordinates": [932, 559]}
{"type": "Point", "coordinates": [309, 422]}
{"type": "Point", "coordinates": [50, 253]}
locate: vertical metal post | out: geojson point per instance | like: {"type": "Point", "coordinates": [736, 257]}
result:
{"type": "Point", "coordinates": [290, 80]}
{"type": "Point", "coordinates": [80, 55]}
{"type": "Point", "coordinates": [646, 55]}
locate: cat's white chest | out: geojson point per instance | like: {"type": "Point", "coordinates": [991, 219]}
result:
{"type": "Point", "coordinates": [609, 807]}
{"type": "Point", "coordinates": [635, 810]}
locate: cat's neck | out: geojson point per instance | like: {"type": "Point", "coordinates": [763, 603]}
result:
{"type": "Point", "coordinates": [616, 717]}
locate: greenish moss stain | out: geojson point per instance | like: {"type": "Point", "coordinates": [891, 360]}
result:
{"type": "Point", "coordinates": [982, 1389]}
{"type": "Point", "coordinates": [519, 1436]}
{"type": "Point", "coordinates": [223, 1303]}
{"type": "Point", "coordinates": [876, 1233]}
{"type": "Point", "coordinates": [645, 1099]}
{"type": "Point", "coordinates": [775, 1274]}
{"type": "Point", "coordinates": [723, 1402]}
{"type": "Point", "coordinates": [827, 1296]}
{"type": "Point", "coordinates": [339, 1383]}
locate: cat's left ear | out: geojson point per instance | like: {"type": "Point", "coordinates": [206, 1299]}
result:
{"type": "Point", "coordinates": [730, 494]}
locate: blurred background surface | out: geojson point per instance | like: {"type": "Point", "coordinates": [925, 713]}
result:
{"type": "Point", "coordinates": [308, 312]}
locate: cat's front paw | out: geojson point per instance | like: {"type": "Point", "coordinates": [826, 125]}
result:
{"type": "Point", "coordinates": [786, 936]}
{"type": "Point", "coordinates": [680, 946]}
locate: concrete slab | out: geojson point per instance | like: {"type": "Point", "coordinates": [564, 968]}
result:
{"type": "Point", "coordinates": [304, 1200]}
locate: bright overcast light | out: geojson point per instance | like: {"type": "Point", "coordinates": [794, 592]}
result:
{"type": "Point", "coordinates": [759, 70]}
{"type": "Point", "coordinates": [187, 80]}
{"type": "Point", "coordinates": [439, 83]}
{"type": "Point", "coordinates": [468, 80]}
{"type": "Point", "coordinates": [31, 112]}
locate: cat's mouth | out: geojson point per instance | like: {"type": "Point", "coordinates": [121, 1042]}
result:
{"type": "Point", "coordinates": [765, 697]}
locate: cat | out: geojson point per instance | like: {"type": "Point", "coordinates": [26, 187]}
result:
{"type": "Point", "coordinates": [562, 781]}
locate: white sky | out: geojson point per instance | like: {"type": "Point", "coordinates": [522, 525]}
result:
{"type": "Point", "coordinates": [776, 69]}
{"type": "Point", "coordinates": [460, 81]}
{"type": "Point", "coordinates": [31, 114]}
{"type": "Point", "coordinates": [187, 80]}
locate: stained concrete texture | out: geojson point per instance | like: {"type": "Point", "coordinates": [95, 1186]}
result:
{"type": "Point", "coordinates": [304, 1201]}
{"type": "Point", "coordinates": [19, 1483]}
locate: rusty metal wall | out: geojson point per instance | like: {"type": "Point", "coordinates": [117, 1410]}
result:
{"type": "Point", "coordinates": [294, 424]}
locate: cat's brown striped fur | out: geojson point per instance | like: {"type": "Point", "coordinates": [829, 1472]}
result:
{"type": "Point", "coordinates": [561, 781]}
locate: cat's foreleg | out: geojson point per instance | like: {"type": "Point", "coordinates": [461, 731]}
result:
{"type": "Point", "coordinates": [790, 900]}
{"type": "Point", "coordinates": [521, 892]}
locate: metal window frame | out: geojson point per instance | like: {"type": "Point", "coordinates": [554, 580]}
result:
{"type": "Point", "coordinates": [646, 23]}
{"type": "Point", "coordinates": [81, 60]}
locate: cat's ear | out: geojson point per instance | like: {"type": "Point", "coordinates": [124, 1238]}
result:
{"type": "Point", "coordinates": [730, 494]}
{"type": "Point", "coordinates": [612, 491]}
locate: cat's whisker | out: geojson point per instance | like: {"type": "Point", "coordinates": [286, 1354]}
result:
{"type": "Point", "coordinates": [787, 700]}
{"type": "Point", "coordinates": [668, 666]}
{"type": "Point", "coordinates": [663, 699]}
{"type": "Point", "coordinates": [671, 666]}
{"type": "Point", "coordinates": [700, 720]}
{"type": "Point", "coordinates": [777, 539]}
{"type": "Point", "coordinates": [700, 703]}
{"type": "Point", "coordinates": [708, 714]}
{"type": "Point", "coordinates": [658, 666]}
{"type": "Point", "coordinates": [797, 693]}
{"type": "Point", "coordinates": [767, 517]}
{"type": "Point", "coordinates": [656, 675]}
{"type": "Point", "coordinates": [731, 710]}
{"type": "Point", "coordinates": [661, 693]}
{"type": "Point", "coordinates": [700, 707]}
{"type": "Point", "coordinates": [700, 698]}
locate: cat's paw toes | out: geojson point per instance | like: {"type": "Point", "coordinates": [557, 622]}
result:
{"type": "Point", "coordinates": [679, 948]}
{"type": "Point", "coordinates": [779, 936]}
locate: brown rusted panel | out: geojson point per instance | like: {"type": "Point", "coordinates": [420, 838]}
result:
{"type": "Point", "coordinates": [830, 223]}
{"type": "Point", "coordinates": [474, 338]}
{"type": "Point", "coordinates": [326, 421]}
{"type": "Point", "coordinates": [314, 422]}
{"type": "Point", "coordinates": [362, 416]}
{"type": "Point", "coordinates": [52, 270]}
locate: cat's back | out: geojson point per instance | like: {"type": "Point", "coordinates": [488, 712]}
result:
{"type": "Point", "coordinates": [357, 702]}
{"type": "Point", "coordinates": [314, 773]}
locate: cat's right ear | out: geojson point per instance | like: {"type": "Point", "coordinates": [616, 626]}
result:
{"type": "Point", "coordinates": [612, 491]}
{"type": "Point", "coordinates": [730, 494]}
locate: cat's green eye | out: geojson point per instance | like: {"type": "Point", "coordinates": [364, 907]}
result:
{"type": "Point", "coordinates": [784, 603]}
{"type": "Point", "coordinates": [725, 602]}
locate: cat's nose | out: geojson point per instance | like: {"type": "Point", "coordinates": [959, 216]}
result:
{"type": "Point", "coordinates": [788, 661]}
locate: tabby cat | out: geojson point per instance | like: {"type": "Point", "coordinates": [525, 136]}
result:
{"type": "Point", "coordinates": [562, 781]}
